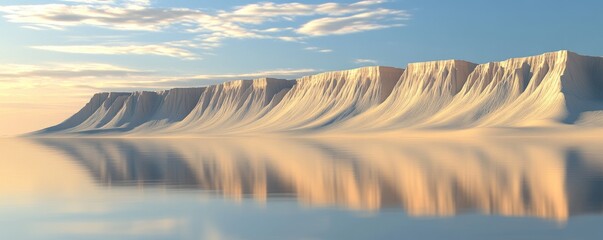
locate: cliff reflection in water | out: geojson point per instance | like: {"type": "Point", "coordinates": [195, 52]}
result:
{"type": "Point", "coordinates": [424, 178]}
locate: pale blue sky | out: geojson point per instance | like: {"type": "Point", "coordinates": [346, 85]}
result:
{"type": "Point", "coordinates": [64, 50]}
{"type": "Point", "coordinates": [477, 31]}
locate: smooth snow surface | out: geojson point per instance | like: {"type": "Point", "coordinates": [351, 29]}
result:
{"type": "Point", "coordinates": [556, 89]}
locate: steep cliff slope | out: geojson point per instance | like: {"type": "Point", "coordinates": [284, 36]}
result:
{"type": "Point", "coordinates": [521, 91]}
{"type": "Point", "coordinates": [186, 109]}
{"type": "Point", "coordinates": [228, 105]}
{"type": "Point", "coordinates": [546, 90]}
{"type": "Point", "coordinates": [423, 90]}
{"type": "Point", "coordinates": [325, 99]}
{"type": "Point", "coordinates": [549, 90]}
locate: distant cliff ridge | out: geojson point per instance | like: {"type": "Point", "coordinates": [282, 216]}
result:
{"type": "Point", "coordinates": [552, 89]}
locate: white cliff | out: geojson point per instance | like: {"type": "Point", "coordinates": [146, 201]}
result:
{"type": "Point", "coordinates": [423, 90]}
{"type": "Point", "coordinates": [235, 103]}
{"type": "Point", "coordinates": [324, 99]}
{"type": "Point", "coordinates": [550, 90]}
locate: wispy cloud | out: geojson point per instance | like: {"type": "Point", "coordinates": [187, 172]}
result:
{"type": "Point", "coordinates": [360, 22]}
{"type": "Point", "coordinates": [203, 79]}
{"type": "Point", "coordinates": [60, 16]}
{"type": "Point", "coordinates": [106, 77]}
{"type": "Point", "coordinates": [150, 49]}
{"type": "Point", "coordinates": [263, 10]}
{"type": "Point", "coordinates": [23, 81]}
{"type": "Point", "coordinates": [131, 3]}
{"type": "Point", "coordinates": [258, 74]}
{"type": "Point", "coordinates": [64, 70]}
{"type": "Point", "coordinates": [91, 1]}
{"type": "Point", "coordinates": [320, 50]}
{"type": "Point", "coordinates": [365, 61]}
{"type": "Point", "coordinates": [209, 27]}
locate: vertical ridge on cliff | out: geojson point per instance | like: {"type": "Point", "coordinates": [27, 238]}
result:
{"type": "Point", "coordinates": [549, 90]}
{"type": "Point", "coordinates": [223, 106]}
{"type": "Point", "coordinates": [422, 90]}
{"type": "Point", "coordinates": [324, 99]}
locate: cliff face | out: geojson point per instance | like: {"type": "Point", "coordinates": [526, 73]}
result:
{"type": "Point", "coordinates": [328, 98]}
{"type": "Point", "coordinates": [110, 112]}
{"type": "Point", "coordinates": [552, 88]}
{"type": "Point", "coordinates": [101, 109]}
{"type": "Point", "coordinates": [509, 93]}
{"type": "Point", "coordinates": [236, 103]}
{"type": "Point", "coordinates": [549, 89]}
{"type": "Point", "coordinates": [423, 90]}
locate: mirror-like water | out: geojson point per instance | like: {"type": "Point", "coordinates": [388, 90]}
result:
{"type": "Point", "coordinates": [300, 189]}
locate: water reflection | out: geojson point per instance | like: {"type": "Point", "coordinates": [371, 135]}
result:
{"type": "Point", "coordinates": [506, 177]}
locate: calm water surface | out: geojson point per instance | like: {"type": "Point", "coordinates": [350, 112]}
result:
{"type": "Point", "coordinates": [300, 189]}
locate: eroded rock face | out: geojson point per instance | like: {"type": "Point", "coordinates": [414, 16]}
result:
{"type": "Point", "coordinates": [423, 90]}
{"type": "Point", "coordinates": [326, 99]}
{"type": "Point", "coordinates": [515, 92]}
{"type": "Point", "coordinates": [550, 89]}
{"type": "Point", "coordinates": [189, 108]}
{"type": "Point", "coordinates": [235, 103]}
